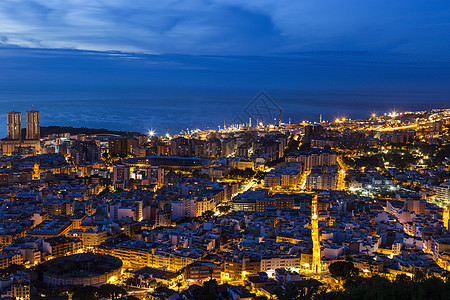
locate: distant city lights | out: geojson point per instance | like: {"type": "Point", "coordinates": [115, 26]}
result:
{"type": "Point", "coordinates": [340, 120]}
{"type": "Point", "coordinates": [393, 114]}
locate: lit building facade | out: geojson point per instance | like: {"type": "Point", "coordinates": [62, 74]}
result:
{"type": "Point", "coordinates": [33, 125]}
{"type": "Point", "coordinates": [14, 125]}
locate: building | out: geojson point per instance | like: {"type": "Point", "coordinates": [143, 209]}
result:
{"type": "Point", "coordinates": [259, 200]}
{"type": "Point", "coordinates": [51, 228]}
{"type": "Point", "coordinates": [443, 193]}
{"type": "Point", "coordinates": [236, 268]}
{"type": "Point", "coordinates": [283, 275]}
{"type": "Point", "coordinates": [33, 125]}
{"type": "Point", "coordinates": [122, 145]}
{"type": "Point", "coordinates": [201, 271]}
{"type": "Point", "coordinates": [284, 176]}
{"type": "Point", "coordinates": [440, 244]}
{"type": "Point", "coordinates": [20, 289]}
{"type": "Point", "coordinates": [321, 181]}
{"type": "Point", "coordinates": [8, 258]}
{"type": "Point", "coordinates": [416, 205]}
{"type": "Point", "coordinates": [61, 246]}
{"type": "Point", "coordinates": [14, 125]}
{"type": "Point", "coordinates": [121, 176]}
{"type": "Point", "coordinates": [58, 208]}
{"type": "Point", "coordinates": [180, 146]}
{"type": "Point", "coordinates": [20, 147]}
{"type": "Point", "coordinates": [242, 164]}
{"type": "Point", "coordinates": [270, 263]}
{"type": "Point", "coordinates": [185, 208]}
{"type": "Point", "coordinates": [119, 210]}
{"type": "Point", "coordinates": [90, 237]}
{"type": "Point", "coordinates": [260, 281]}
{"type": "Point", "coordinates": [148, 274]}
{"type": "Point", "coordinates": [137, 254]}
{"type": "Point", "coordinates": [13, 144]}
{"type": "Point", "coordinates": [82, 269]}
{"type": "Point", "coordinates": [155, 175]}
{"type": "Point", "coordinates": [85, 152]}
{"type": "Point", "coordinates": [313, 158]}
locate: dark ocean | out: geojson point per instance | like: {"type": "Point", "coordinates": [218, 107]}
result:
{"type": "Point", "coordinates": [176, 110]}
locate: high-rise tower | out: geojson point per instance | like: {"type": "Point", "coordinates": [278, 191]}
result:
{"type": "Point", "coordinates": [14, 125]}
{"type": "Point", "coordinates": [33, 125]}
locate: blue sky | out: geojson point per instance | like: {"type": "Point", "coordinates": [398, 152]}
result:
{"type": "Point", "coordinates": [228, 27]}
{"type": "Point", "coordinates": [400, 45]}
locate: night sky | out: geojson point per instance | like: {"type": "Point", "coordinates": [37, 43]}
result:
{"type": "Point", "coordinates": [280, 45]}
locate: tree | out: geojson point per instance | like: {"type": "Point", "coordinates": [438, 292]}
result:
{"type": "Point", "coordinates": [11, 269]}
{"type": "Point", "coordinates": [153, 284]}
{"type": "Point", "coordinates": [343, 270]}
{"type": "Point", "coordinates": [146, 278]}
{"type": "Point", "coordinates": [211, 272]}
{"type": "Point", "coordinates": [179, 285]}
{"type": "Point", "coordinates": [85, 293]}
{"type": "Point", "coordinates": [129, 281]}
{"type": "Point", "coordinates": [224, 238]}
{"type": "Point", "coordinates": [209, 291]}
{"type": "Point", "coordinates": [223, 209]}
{"type": "Point", "coordinates": [302, 290]}
{"type": "Point", "coordinates": [402, 288]}
{"type": "Point", "coordinates": [207, 215]}
{"type": "Point", "coordinates": [137, 280]}
{"type": "Point", "coordinates": [112, 291]}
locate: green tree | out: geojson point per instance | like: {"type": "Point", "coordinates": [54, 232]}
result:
{"type": "Point", "coordinates": [86, 293]}
{"type": "Point", "coordinates": [209, 291]}
{"type": "Point", "coordinates": [343, 270]}
{"type": "Point", "coordinates": [112, 291]}
{"type": "Point", "coordinates": [153, 284]}
{"type": "Point", "coordinates": [146, 278]}
{"type": "Point", "coordinates": [11, 269]}
{"type": "Point", "coordinates": [302, 290]}
{"type": "Point", "coordinates": [179, 285]}
{"type": "Point", "coordinates": [421, 286]}
{"type": "Point", "coordinates": [223, 209]}
{"type": "Point", "coordinates": [207, 215]}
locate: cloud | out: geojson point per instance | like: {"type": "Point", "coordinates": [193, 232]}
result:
{"type": "Point", "coordinates": [228, 27]}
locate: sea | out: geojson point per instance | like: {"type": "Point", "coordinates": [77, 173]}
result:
{"type": "Point", "coordinates": [171, 111]}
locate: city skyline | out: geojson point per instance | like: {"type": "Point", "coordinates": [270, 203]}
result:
{"type": "Point", "coordinates": [224, 149]}
{"type": "Point", "coordinates": [323, 208]}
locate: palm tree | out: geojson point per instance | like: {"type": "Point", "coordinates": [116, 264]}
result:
{"type": "Point", "coordinates": [146, 278]}
{"type": "Point", "coordinates": [137, 280]}
{"type": "Point", "coordinates": [211, 271]}
{"type": "Point", "coordinates": [178, 286]}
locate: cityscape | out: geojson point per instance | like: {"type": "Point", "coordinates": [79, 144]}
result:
{"type": "Point", "coordinates": [224, 150]}
{"type": "Point", "coordinates": [248, 211]}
